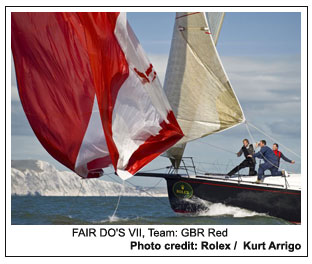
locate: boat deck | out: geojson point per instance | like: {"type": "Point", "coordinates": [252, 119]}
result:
{"type": "Point", "coordinates": [292, 182]}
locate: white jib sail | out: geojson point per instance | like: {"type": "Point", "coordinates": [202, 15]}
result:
{"type": "Point", "coordinates": [196, 84]}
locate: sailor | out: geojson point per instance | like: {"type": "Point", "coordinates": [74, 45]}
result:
{"type": "Point", "coordinates": [247, 149]}
{"type": "Point", "coordinates": [270, 162]}
{"type": "Point", "coordinates": [280, 155]}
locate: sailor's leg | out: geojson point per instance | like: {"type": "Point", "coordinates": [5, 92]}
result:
{"type": "Point", "coordinates": [252, 171]}
{"type": "Point", "coordinates": [242, 165]}
{"type": "Point", "coordinates": [233, 171]}
{"type": "Point", "coordinates": [262, 168]}
{"type": "Point", "coordinates": [260, 172]}
{"type": "Point", "coordinates": [275, 172]}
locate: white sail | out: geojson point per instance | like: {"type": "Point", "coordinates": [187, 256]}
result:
{"type": "Point", "coordinates": [196, 84]}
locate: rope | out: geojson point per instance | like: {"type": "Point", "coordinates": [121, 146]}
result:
{"type": "Point", "coordinates": [80, 187]}
{"type": "Point", "coordinates": [154, 186]}
{"type": "Point", "coordinates": [72, 205]}
{"type": "Point", "coordinates": [252, 138]}
{"type": "Point", "coordinates": [209, 163]}
{"type": "Point", "coordinates": [264, 158]}
{"type": "Point", "coordinates": [217, 147]}
{"type": "Point", "coordinates": [273, 139]}
{"type": "Point", "coordinates": [117, 205]}
{"type": "Point", "coordinates": [154, 170]}
{"type": "Point", "coordinates": [149, 194]}
{"type": "Point", "coordinates": [141, 190]}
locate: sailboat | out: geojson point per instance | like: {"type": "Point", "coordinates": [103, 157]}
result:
{"type": "Point", "coordinates": [94, 100]}
{"type": "Point", "coordinates": [204, 103]}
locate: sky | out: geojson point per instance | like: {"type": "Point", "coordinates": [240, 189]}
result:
{"type": "Point", "coordinates": [261, 55]}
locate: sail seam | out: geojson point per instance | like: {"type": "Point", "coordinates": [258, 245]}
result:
{"type": "Point", "coordinates": [213, 75]}
{"type": "Point", "coordinates": [196, 56]}
{"type": "Point", "coordinates": [225, 71]}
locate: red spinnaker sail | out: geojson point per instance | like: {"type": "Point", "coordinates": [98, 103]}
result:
{"type": "Point", "coordinates": [89, 92]}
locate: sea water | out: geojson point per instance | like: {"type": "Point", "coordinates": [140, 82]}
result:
{"type": "Point", "coordinates": [47, 210]}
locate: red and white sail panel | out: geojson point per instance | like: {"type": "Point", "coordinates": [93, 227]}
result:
{"type": "Point", "coordinates": [89, 92]}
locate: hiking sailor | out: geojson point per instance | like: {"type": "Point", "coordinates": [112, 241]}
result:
{"type": "Point", "coordinates": [247, 149]}
{"type": "Point", "coordinates": [280, 155]}
{"type": "Point", "coordinates": [270, 162]}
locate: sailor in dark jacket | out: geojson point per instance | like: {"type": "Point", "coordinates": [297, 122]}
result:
{"type": "Point", "coordinates": [270, 161]}
{"type": "Point", "coordinates": [280, 155]}
{"type": "Point", "coordinates": [250, 162]}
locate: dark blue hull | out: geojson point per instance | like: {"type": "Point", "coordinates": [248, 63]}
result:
{"type": "Point", "coordinates": [277, 202]}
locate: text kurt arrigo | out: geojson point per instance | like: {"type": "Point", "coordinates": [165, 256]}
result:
{"type": "Point", "coordinates": [139, 233]}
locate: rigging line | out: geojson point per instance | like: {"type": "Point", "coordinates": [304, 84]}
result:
{"type": "Point", "coordinates": [72, 205]}
{"type": "Point", "coordinates": [209, 163]}
{"type": "Point", "coordinates": [273, 139]}
{"type": "Point", "coordinates": [141, 190]}
{"type": "Point", "coordinates": [252, 138]}
{"type": "Point", "coordinates": [217, 147]}
{"type": "Point", "coordinates": [264, 158]}
{"type": "Point", "coordinates": [154, 170]}
{"type": "Point", "coordinates": [80, 187]}
{"type": "Point", "coordinates": [154, 186]}
{"type": "Point", "coordinates": [200, 170]}
{"type": "Point", "coordinates": [259, 151]}
{"type": "Point", "coordinates": [149, 194]}
{"type": "Point", "coordinates": [117, 205]}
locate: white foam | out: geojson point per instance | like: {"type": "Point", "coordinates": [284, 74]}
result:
{"type": "Point", "coordinates": [113, 218]}
{"type": "Point", "coordinates": [219, 209]}
{"type": "Point", "coordinates": [222, 209]}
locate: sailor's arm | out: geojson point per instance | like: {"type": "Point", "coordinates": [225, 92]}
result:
{"type": "Point", "coordinates": [287, 159]}
{"type": "Point", "coordinates": [258, 155]}
{"type": "Point", "coordinates": [255, 145]}
{"type": "Point", "coordinates": [239, 153]}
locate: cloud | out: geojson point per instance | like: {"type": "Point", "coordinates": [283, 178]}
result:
{"type": "Point", "coordinates": [284, 128]}
{"type": "Point", "coordinates": [269, 90]}
{"type": "Point", "coordinates": [265, 79]}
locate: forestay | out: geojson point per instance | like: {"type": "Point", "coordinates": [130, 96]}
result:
{"type": "Point", "coordinates": [89, 92]}
{"type": "Point", "coordinates": [196, 84]}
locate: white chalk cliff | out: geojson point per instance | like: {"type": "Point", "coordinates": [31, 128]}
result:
{"type": "Point", "coordinates": [35, 177]}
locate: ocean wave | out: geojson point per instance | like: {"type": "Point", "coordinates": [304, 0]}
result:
{"type": "Point", "coordinates": [219, 209]}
